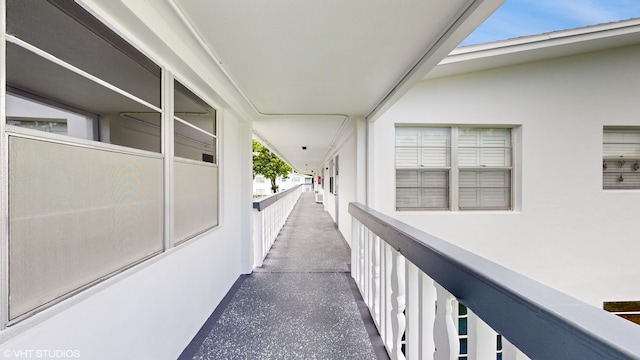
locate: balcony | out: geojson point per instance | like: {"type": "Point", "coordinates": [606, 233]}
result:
{"type": "Point", "coordinates": [301, 303]}
{"type": "Point", "coordinates": [314, 298]}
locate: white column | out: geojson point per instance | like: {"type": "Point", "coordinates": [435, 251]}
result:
{"type": "Point", "coordinates": [361, 160]}
{"type": "Point", "coordinates": [445, 330]}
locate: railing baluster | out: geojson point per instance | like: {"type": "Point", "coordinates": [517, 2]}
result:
{"type": "Point", "coordinates": [429, 324]}
{"type": "Point", "coordinates": [355, 249]}
{"type": "Point", "coordinates": [270, 215]}
{"type": "Point", "coordinates": [445, 331]}
{"type": "Point", "coordinates": [398, 321]}
{"type": "Point", "coordinates": [482, 341]}
{"type": "Point", "coordinates": [413, 333]}
{"type": "Point", "coordinates": [427, 298]}
{"type": "Point", "coordinates": [382, 296]}
{"type": "Point", "coordinates": [386, 296]}
{"type": "Point", "coordinates": [367, 267]}
{"type": "Point", "coordinates": [361, 260]}
{"type": "Point", "coordinates": [376, 281]}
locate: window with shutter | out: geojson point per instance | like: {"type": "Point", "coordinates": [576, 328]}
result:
{"type": "Point", "coordinates": [470, 165]}
{"type": "Point", "coordinates": [621, 158]}
{"type": "Point", "coordinates": [484, 165]}
{"type": "Point", "coordinates": [423, 165]}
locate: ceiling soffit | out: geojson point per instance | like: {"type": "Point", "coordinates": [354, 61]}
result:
{"type": "Point", "coordinates": [305, 67]}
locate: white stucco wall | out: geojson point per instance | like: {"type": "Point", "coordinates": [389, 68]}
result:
{"type": "Point", "coordinates": [347, 175]}
{"type": "Point", "coordinates": [566, 231]}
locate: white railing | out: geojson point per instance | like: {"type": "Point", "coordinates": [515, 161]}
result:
{"type": "Point", "coordinates": [269, 216]}
{"type": "Point", "coordinates": [404, 275]}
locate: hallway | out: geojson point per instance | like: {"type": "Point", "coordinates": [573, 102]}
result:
{"type": "Point", "coordinates": [301, 304]}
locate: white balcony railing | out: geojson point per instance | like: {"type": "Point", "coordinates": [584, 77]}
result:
{"type": "Point", "coordinates": [269, 216]}
{"type": "Point", "coordinates": [403, 273]}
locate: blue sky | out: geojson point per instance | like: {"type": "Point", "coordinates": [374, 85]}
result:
{"type": "Point", "coordinates": [528, 17]}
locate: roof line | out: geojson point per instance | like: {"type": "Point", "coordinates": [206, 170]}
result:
{"type": "Point", "coordinates": [541, 40]}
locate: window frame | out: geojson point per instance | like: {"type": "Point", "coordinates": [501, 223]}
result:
{"type": "Point", "coordinates": [164, 109]}
{"type": "Point", "coordinates": [627, 165]}
{"type": "Point", "coordinates": [453, 168]}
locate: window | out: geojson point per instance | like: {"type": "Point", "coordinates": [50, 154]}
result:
{"type": "Point", "coordinates": [195, 126]}
{"type": "Point", "coordinates": [195, 165]}
{"type": "Point", "coordinates": [79, 210]}
{"type": "Point", "coordinates": [69, 74]}
{"type": "Point", "coordinates": [621, 158]}
{"type": "Point", "coordinates": [451, 168]}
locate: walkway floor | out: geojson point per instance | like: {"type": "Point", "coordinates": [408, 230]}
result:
{"type": "Point", "coordinates": [302, 304]}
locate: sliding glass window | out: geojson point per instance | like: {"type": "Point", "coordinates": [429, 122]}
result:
{"type": "Point", "coordinates": [195, 165]}
{"type": "Point", "coordinates": [85, 169]}
{"type": "Point", "coordinates": [69, 74]}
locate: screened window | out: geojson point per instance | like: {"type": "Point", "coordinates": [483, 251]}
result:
{"type": "Point", "coordinates": [69, 74]}
{"type": "Point", "coordinates": [79, 211]}
{"type": "Point", "coordinates": [68, 32]}
{"type": "Point", "coordinates": [621, 158]}
{"type": "Point", "coordinates": [195, 169]}
{"type": "Point", "coordinates": [443, 168]}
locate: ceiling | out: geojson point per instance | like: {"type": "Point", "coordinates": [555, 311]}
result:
{"type": "Point", "coordinates": [308, 69]}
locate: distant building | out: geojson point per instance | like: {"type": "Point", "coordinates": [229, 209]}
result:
{"type": "Point", "coordinates": [262, 185]}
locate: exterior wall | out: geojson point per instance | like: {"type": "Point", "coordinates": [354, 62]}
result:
{"type": "Point", "coordinates": [154, 309]}
{"type": "Point", "coordinates": [347, 175]}
{"type": "Point", "coordinates": [565, 231]}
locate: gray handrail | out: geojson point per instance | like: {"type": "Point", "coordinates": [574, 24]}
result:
{"type": "Point", "coordinates": [271, 199]}
{"type": "Point", "coordinates": [540, 321]}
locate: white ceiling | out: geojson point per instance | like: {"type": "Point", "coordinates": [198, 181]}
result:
{"type": "Point", "coordinates": [306, 66]}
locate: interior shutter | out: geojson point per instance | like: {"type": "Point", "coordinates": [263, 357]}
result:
{"type": "Point", "coordinates": [621, 159]}
{"type": "Point", "coordinates": [484, 161]}
{"type": "Point", "coordinates": [423, 163]}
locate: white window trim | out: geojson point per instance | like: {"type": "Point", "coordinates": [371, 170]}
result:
{"type": "Point", "coordinates": [454, 188]}
{"type": "Point", "coordinates": [613, 159]}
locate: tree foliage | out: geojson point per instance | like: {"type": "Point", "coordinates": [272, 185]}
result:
{"type": "Point", "coordinates": [269, 165]}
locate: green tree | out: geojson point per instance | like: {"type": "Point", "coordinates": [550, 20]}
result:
{"type": "Point", "coordinates": [269, 165]}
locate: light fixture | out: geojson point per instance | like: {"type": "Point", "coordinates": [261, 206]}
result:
{"type": "Point", "coordinates": [304, 148]}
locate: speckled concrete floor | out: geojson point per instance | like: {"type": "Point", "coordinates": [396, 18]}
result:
{"type": "Point", "coordinates": [302, 304]}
